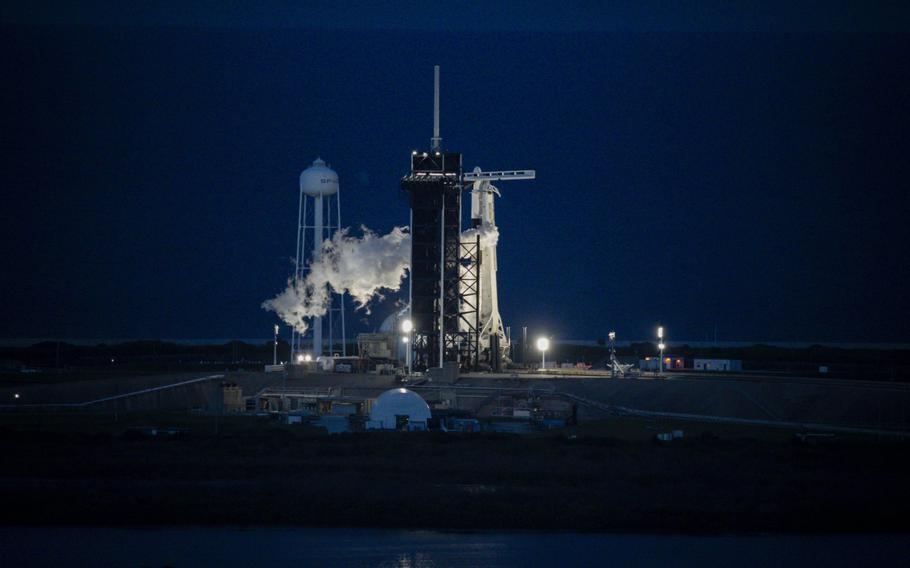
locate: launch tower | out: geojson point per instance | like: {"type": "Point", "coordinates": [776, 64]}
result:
{"type": "Point", "coordinates": [454, 305]}
{"type": "Point", "coordinates": [435, 185]}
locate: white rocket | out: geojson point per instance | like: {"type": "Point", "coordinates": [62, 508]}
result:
{"type": "Point", "coordinates": [483, 218]}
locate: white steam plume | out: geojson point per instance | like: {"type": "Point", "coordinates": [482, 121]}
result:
{"type": "Point", "coordinates": [361, 267]}
{"type": "Point", "coordinates": [489, 235]}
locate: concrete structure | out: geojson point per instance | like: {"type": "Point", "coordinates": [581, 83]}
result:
{"type": "Point", "coordinates": [232, 397]}
{"type": "Point", "coordinates": [718, 365]}
{"type": "Point", "coordinates": [399, 409]}
{"type": "Point", "coordinates": [307, 401]}
{"type": "Point", "coordinates": [381, 345]}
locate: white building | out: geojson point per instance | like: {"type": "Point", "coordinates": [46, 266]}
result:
{"type": "Point", "coordinates": [399, 409]}
{"type": "Point", "coordinates": [718, 365]}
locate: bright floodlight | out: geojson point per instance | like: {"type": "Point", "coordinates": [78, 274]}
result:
{"type": "Point", "coordinates": [16, 395]}
{"type": "Point", "coordinates": [661, 346]}
{"type": "Point", "coordinates": [307, 357]}
{"type": "Point", "coordinates": [404, 339]}
{"type": "Point", "coordinates": [612, 335]}
{"type": "Point", "coordinates": [300, 358]}
{"type": "Point", "coordinates": [660, 332]}
{"type": "Point", "coordinates": [407, 326]}
{"type": "Point", "coordinates": [543, 344]}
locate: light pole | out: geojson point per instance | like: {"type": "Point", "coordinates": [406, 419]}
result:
{"type": "Point", "coordinates": [275, 349]}
{"type": "Point", "coordinates": [660, 346]}
{"type": "Point", "coordinates": [407, 350]}
{"type": "Point", "coordinates": [612, 336]}
{"type": "Point", "coordinates": [407, 327]}
{"type": "Point", "coordinates": [543, 344]}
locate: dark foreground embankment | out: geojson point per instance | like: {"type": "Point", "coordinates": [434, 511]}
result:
{"type": "Point", "coordinates": [275, 475]}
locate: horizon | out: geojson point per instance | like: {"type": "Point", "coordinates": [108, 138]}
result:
{"type": "Point", "coordinates": [209, 341]}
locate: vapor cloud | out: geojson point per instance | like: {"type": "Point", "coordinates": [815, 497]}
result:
{"type": "Point", "coordinates": [363, 267]}
{"type": "Point", "coordinates": [489, 235]}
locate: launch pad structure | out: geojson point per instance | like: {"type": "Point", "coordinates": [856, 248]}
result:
{"type": "Point", "coordinates": [453, 306]}
{"type": "Point", "coordinates": [435, 187]}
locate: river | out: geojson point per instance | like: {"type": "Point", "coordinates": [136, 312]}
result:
{"type": "Point", "coordinates": [292, 546]}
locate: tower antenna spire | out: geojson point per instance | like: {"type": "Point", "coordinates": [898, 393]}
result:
{"type": "Point", "coordinates": [436, 140]}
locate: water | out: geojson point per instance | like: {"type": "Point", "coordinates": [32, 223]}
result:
{"type": "Point", "coordinates": [219, 546]}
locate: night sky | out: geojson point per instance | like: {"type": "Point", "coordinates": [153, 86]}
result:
{"type": "Point", "coordinates": [700, 169]}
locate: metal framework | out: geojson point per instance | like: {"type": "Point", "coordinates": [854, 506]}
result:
{"type": "Point", "coordinates": [434, 185]}
{"type": "Point", "coordinates": [467, 341]}
{"type": "Point", "coordinates": [446, 274]}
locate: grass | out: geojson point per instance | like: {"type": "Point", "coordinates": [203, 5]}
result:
{"type": "Point", "coordinates": [642, 429]}
{"type": "Point", "coordinates": [80, 468]}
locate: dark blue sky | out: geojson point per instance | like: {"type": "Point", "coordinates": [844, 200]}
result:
{"type": "Point", "coordinates": [727, 171]}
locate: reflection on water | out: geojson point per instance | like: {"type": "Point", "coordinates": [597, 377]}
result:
{"type": "Point", "coordinates": [219, 546]}
{"type": "Point", "coordinates": [417, 560]}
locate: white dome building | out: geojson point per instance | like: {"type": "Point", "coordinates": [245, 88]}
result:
{"type": "Point", "coordinates": [392, 326]}
{"type": "Point", "coordinates": [399, 409]}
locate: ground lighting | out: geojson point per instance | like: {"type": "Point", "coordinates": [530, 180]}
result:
{"type": "Point", "coordinates": [543, 344]}
{"type": "Point", "coordinates": [407, 327]}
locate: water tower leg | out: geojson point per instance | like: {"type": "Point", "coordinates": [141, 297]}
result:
{"type": "Point", "coordinates": [317, 253]}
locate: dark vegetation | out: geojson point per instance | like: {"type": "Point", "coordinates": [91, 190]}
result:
{"type": "Point", "coordinates": [85, 469]}
{"type": "Point", "coordinates": [140, 356]}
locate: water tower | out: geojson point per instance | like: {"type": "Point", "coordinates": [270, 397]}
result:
{"type": "Point", "coordinates": [318, 217]}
